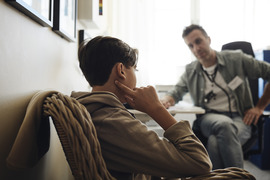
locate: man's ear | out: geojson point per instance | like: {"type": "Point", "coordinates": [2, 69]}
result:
{"type": "Point", "coordinates": [120, 70]}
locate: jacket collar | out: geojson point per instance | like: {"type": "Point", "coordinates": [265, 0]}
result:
{"type": "Point", "coordinates": [96, 100]}
{"type": "Point", "coordinates": [220, 62]}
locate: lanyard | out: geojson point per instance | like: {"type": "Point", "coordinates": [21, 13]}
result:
{"type": "Point", "coordinates": [211, 77]}
{"type": "Point", "coordinates": [210, 95]}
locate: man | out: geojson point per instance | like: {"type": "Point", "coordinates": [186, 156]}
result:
{"type": "Point", "coordinates": [128, 147]}
{"type": "Point", "coordinates": [217, 82]}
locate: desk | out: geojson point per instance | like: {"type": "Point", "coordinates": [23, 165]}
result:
{"type": "Point", "coordinates": [181, 111]}
{"type": "Point", "coordinates": [180, 108]}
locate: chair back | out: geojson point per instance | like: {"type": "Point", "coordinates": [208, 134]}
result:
{"type": "Point", "coordinates": [257, 131]}
{"type": "Point", "coordinates": [78, 137]}
{"type": "Point", "coordinates": [246, 47]}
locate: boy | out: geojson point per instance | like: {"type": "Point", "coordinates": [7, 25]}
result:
{"type": "Point", "coordinates": [128, 147]}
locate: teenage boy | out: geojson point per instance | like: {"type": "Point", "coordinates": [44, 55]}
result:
{"type": "Point", "coordinates": [128, 147]}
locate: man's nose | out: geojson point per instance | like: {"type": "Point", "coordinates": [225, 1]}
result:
{"type": "Point", "coordinates": [196, 48]}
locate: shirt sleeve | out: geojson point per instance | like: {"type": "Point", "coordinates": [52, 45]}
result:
{"type": "Point", "coordinates": [180, 89]}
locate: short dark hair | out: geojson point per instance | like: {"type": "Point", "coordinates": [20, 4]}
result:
{"type": "Point", "coordinates": [192, 27]}
{"type": "Point", "coordinates": [98, 56]}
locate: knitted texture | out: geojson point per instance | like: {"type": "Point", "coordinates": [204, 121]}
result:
{"type": "Point", "coordinates": [227, 173]}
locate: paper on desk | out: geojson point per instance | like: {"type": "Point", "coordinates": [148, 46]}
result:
{"type": "Point", "coordinates": [181, 107]}
{"type": "Point", "coordinates": [185, 107]}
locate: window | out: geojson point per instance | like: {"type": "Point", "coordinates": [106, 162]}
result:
{"type": "Point", "coordinates": [155, 28]}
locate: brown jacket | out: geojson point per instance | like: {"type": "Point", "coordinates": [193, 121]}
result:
{"type": "Point", "coordinates": [129, 147]}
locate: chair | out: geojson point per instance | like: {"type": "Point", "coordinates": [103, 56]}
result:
{"type": "Point", "coordinates": [227, 173]}
{"type": "Point", "coordinates": [78, 137]}
{"type": "Point", "coordinates": [257, 131]}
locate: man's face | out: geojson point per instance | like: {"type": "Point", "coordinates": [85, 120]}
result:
{"type": "Point", "coordinates": [199, 45]}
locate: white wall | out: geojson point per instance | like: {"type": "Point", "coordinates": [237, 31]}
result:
{"type": "Point", "coordinates": [32, 58]}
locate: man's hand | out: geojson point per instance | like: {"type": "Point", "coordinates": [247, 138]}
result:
{"type": "Point", "coordinates": [167, 101]}
{"type": "Point", "coordinates": [252, 116]}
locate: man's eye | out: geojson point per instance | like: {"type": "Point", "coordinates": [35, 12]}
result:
{"type": "Point", "coordinates": [198, 41]}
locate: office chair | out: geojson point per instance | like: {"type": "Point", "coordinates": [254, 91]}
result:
{"type": "Point", "coordinates": [246, 47]}
{"type": "Point", "coordinates": [257, 131]}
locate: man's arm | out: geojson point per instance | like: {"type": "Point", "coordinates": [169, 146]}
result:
{"type": "Point", "coordinates": [180, 89]}
{"type": "Point", "coordinates": [252, 115]}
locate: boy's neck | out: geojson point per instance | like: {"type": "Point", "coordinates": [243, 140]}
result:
{"type": "Point", "coordinates": [109, 88]}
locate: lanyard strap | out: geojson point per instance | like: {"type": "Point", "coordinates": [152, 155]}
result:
{"type": "Point", "coordinates": [211, 77]}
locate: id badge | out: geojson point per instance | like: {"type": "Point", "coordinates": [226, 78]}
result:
{"type": "Point", "coordinates": [237, 81]}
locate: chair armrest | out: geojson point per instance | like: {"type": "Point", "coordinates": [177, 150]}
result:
{"type": "Point", "coordinates": [266, 114]}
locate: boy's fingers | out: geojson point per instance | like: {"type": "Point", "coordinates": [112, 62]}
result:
{"type": "Point", "coordinates": [124, 88]}
{"type": "Point", "coordinates": [130, 101]}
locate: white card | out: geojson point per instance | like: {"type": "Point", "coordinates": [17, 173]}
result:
{"type": "Point", "coordinates": [235, 83]}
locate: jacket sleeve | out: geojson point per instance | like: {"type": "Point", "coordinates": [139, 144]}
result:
{"type": "Point", "coordinates": [261, 69]}
{"type": "Point", "coordinates": [250, 67]}
{"type": "Point", "coordinates": [128, 146]}
{"type": "Point", "coordinates": [180, 89]}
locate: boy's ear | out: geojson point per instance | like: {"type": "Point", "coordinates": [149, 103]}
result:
{"type": "Point", "coordinates": [120, 68]}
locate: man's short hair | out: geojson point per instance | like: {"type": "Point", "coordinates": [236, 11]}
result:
{"type": "Point", "coordinates": [98, 56]}
{"type": "Point", "coordinates": [192, 27]}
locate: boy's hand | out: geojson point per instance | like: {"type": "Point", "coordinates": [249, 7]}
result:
{"type": "Point", "coordinates": [144, 99]}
